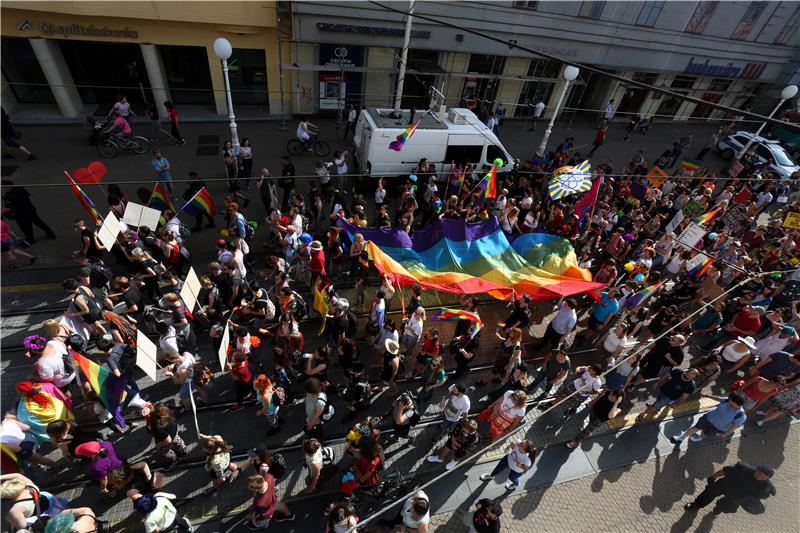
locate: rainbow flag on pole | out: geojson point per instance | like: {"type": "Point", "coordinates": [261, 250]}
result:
{"type": "Point", "coordinates": [84, 200]}
{"type": "Point", "coordinates": [706, 218]}
{"type": "Point", "coordinates": [459, 314]}
{"type": "Point", "coordinates": [160, 199]}
{"type": "Point", "coordinates": [398, 144]}
{"type": "Point", "coordinates": [690, 165]}
{"type": "Point", "coordinates": [201, 202]}
{"type": "Point", "coordinates": [698, 271]}
{"type": "Point", "coordinates": [489, 183]}
{"type": "Point", "coordinates": [638, 298]}
{"type": "Point", "coordinates": [108, 387]}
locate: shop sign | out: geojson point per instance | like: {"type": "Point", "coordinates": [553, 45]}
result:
{"type": "Point", "coordinates": [750, 71]}
{"type": "Point", "coordinates": [335, 86]}
{"type": "Point", "coordinates": [372, 30]}
{"type": "Point", "coordinates": [74, 30]}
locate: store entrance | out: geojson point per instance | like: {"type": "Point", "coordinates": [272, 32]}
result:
{"type": "Point", "coordinates": [104, 70]}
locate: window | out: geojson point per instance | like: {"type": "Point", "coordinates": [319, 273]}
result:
{"type": "Point", "coordinates": [544, 68]}
{"type": "Point", "coordinates": [592, 10]}
{"type": "Point", "coordinates": [24, 74]}
{"type": "Point", "coordinates": [456, 152]}
{"type": "Point", "coordinates": [493, 152]}
{"type": "Point", "coordinates": [649, 14]}
{"type": "Point", "coordinates": [682, 82]}
{"type": "Point", "coordinates": [526, 4]}
{"type": "Point", "coordinates": [789, 29]}
{"type": "Point", "coordinates": [754, 11]}
{"type": "Point", "coordinates": [701, 16]}
{"type": "Point", "coordinates": [764, 153]}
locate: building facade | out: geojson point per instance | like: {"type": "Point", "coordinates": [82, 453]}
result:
{"type": "Point", "coordinates": [79, 54]}
{"type": "Point", "coordinates": [734, 53]}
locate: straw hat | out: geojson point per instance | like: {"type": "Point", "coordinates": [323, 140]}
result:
{"type": "Point", "coordinates": [392, 346]}
{"type": "Point", "coordinates": [316, 246]}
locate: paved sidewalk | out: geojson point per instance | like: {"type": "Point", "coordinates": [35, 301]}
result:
{"type": "Point", "coordinates": [649, 496]}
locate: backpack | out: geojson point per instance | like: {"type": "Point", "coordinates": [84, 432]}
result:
{"type": "Point", "coordinates": [279, 396]}
{"type": "Point", "coordinates": [278, 467]}
{"type": "Point", "coordinates": [352, 324]}
{"type": "Point", "coordinates": [184, 339]}
{"type": "Point", "coordinates": [300, 306]}
{"type": "Point", "coordinates": [202, 374]}
{"type": "Point", "coordinates": [328, 455]}
{"type": "Point", "coordinates": [183, 231]}
{"type": "Point", "coordinates": [328, 411]}
{"type": "Point", "coordinates": [101, 272]}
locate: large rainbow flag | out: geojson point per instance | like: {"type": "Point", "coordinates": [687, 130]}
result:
{"type": "Point", "coordinates": [40, 404]}
{"type": "Point", "coordinates": [108, 387]}
{"type": "Point", "coordinates": [457, 257]}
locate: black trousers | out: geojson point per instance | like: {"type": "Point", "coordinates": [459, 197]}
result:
{"type": "Point", "coordinates": [727, 504]}
{"type": "Point", "coordinates": [242, 390]}
{"type": "Point", "coordinates": [26, 222]}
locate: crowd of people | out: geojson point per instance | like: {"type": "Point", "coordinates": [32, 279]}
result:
{"type": "Point", "coordinates": [666, 325]}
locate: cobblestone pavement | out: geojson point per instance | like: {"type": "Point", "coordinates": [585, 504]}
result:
{"type": "Point", "coordinates": [650, 496]}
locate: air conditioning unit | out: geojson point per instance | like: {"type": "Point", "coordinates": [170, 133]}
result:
{"type": "Point", "coordinates": [456, 117]}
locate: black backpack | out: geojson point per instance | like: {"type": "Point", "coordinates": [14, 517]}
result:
{"type": "Point", "coordinates": [352, 324]}
{"type": "Point", "coordinates": [278, 467]}
{"type": "Point", "coordinates": [299, 306]}
{"type": "Point", "coordinates": [101, 273]}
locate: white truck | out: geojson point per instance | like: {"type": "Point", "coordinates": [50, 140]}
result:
{"type": "Point", "coordinates": [440, 138]}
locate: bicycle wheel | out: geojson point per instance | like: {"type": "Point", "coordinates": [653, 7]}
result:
{"type": "Point", "coordinates": [322, 149]}
{"type": "Point", "coordinates": [107, 148]}
{"type": "Point", "coordinates": [140, 145]}
{"type": "Point", "coordinates": [295, 147]}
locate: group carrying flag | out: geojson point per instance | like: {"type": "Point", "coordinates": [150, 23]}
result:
{"type": "Point", "coordinates": [460, 314]}
{"type": "Point", "coordinates": [84, 200]}
{"type": "Point", "coordinates": [108, 387]}
{"type": "Point", "coordinates": [398, 144]}
{"type": "Point", "coordinates": [201, 202]}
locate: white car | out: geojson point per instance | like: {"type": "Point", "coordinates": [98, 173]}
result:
{"type": "Point", "coordinates": [770, 152]}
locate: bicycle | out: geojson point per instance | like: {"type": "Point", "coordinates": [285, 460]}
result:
{"type": "Point", "coordinates": [110, 145]}
{"type": "Point", "coordinates": [297, 147]}
{"type": "Point", "coordinates": [392, 486]}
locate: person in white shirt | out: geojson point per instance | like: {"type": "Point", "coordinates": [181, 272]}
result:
{"type": "Point", "coordinates": [352, 117]}
{"type": "Point", "coordinates": [380, 194]}
{"type": "Point", "coordinates": [608, 111]}
{"type": "Point", "coordinates": [536, 113]}
{"type": "Point", "coordinates": [561, 325]}
{"type": "Point", "coordinates": [123, 109]}
{"type": "Point", "coordinates": [305, 129]}
{"type": "Point", "coordinates": [587, 382]}
{"type": "Point", "coordinates": [340, 161]}
{"type": "Point", "coordinates": [456, 408]}
{"type": "Point", "coordinates": [519, 459]}
{"type": "Point", "coordinates": [779, 339]}
{"type": "Point", "coordinates": [413, 332]}
{"type": "Point", "coordinates": [160, 513]}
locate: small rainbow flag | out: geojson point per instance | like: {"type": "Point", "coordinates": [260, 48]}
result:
{"type": "Point", "coordinates": [108, 387]}
{"type": "Point", "coordinates": [698, 271]}
{"type": "Point", "coordinates": [489, 183]}
{"type": "Point", "coordinates": [403, 137]}
{"type": "Point", "coordinates": [706, 218]}
{"type": "Point", "coordinates": [638, 298]}
{"type": "Point", "coordinates": [690, 165]}
{"type": "Point", "coordinates": [201, 202]}
{"type": "Point", "coordinates": [160, 199]}
{"type": "Point", "coordinates": [459, 314]}
{"type": "Point", "coordinates": [84, 200]}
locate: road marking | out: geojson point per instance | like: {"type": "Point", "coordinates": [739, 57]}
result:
{"type": "Point", "coordinates": [31, 287]}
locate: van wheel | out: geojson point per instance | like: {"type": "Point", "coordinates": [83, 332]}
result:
{"type": "Point", "coordinates": [727, 154]}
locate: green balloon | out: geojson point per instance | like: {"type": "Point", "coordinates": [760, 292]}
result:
{"type": "Point", "coordinates": [498, 162]}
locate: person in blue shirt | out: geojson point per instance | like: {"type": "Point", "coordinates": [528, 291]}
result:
{"type": "Point", "coordinates": [162, 169]}
{"type": "Point", "coordinates": [722, 421]}
{"type": "Point", "coordinates": [602, 313]}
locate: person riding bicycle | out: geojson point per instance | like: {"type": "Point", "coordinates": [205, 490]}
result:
{"type": "Point", "coordinates": [306, 130]}
{"type": "Point", "coordinates": [119, 127]}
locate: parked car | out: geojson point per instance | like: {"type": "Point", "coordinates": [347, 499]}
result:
{"type": "Point", "coordinates": [770, 152]}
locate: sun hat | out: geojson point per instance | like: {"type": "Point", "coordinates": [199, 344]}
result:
{"type": "Point", "coordinates": [392, 346]}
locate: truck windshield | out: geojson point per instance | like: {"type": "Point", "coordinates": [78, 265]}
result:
{"type": "Point", "coordinates": [493, 152]}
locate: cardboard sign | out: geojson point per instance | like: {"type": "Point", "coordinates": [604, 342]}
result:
{"type": "Point", "coordinates": [141, 216]}
{"type": "Point", "coordinates": [656, 176]}
{"type": "Point", "coordinates": [792, 220]}
{"type": "Point", "coordinates": [190, 290]}
{"type": "Point", "coordinates": [693, 209]}
{"type": "Point", "coordinates": [736, 169]}
{"type": "Point", "coordinates": [222, 354]}
{"type": "Point", "coordinates": [107, 234]}
{"type": "Point", "coordinates": [675, 222]}
{"type": "Point", "coordinates": [736, 220]}
{"type": "Point", "coordinates": [146, 355]}
{"type": "Point", "coordinates": [690, 236]}
{"type": "Point", "coordinates": [742, 197]}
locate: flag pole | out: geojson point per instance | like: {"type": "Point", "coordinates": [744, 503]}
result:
{"type": "Point", "coordinates": [188, 202]}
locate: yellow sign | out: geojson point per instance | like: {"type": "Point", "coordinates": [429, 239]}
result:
{"type": "Point", "coordinates": [656, 176]}
{"type": "Point", "coordinates": [792, 220]}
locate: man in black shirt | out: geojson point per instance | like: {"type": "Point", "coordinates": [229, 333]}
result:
{"type": "Point", "coordinates": [602, 408]}
{"type": "Point", "coordinates": [90, 245]}
{"type": "Point", "coordinates": [121, 360]}
{"type": "Point", "coordinates": [18, 205]}
{"type": "Point", "coordinates": [737, 484]}
{"type": "Point", "coordinates": [520, 317]}
{"type": "Point", "coordinates": [286, 182]}
{"type": "Point", "coordinates": [337, 325]}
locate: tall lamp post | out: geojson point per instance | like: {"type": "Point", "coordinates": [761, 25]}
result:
{"type": "Point", "coordinates": [223, 50]}
{"type": "Point", "coordinates": [790, 91]}
{"type": "Point", "coordinates": [570, 73]}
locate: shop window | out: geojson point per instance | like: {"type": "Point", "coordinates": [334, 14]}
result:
{"type": "Point", "coordinates": [544, 68]}
{"type": "Point", "coordinates": [22, 72]}
{"type": "Point", "coordinates": [634, 97]}
{"type": "Point", "coordinates": [701, 16]}
{"type": "Point", "coordinates": [670, 104]}
{"type": "Point", "coordinates": [188, 74]}
{"type": "Point", "coordinates": [104, 70]}
{"type": "Point", "coordinates": [749, 19]}
{"type": "Point", "coordinates": [789, 29]}
{"type": "Point", "coordinates": [649, 13]}
{"type": "Point", "coordinates": [423, 65]}
{"type": "Point", "coordinates": [462, 153]}
{"type": "Point", "coordinates": [592, 10]}
{"type": "Point", "coordinates": [247, 69]}
{"type": "Point", "coordinates": [526, 4]}
{"type": "Point", "coordinates": [532, 92]}
{"type": "Point", "coordinates": [704, 110]}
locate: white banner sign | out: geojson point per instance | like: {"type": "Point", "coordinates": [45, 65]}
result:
{"type": "Point", "coordinates": [107, 234]}
{"type": "Point", "coordinates": [690, 236]}
{"type": "Point", "coordinates": [190, 290]}
{"type": "Point", "coordinates": [141, 216]}
{"type": "Point", "coordinates": [146, 355]}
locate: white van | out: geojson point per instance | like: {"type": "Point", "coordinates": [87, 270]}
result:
{"type": "Point", "coordinates": [457, 136]}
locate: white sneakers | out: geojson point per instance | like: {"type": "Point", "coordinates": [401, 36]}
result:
{"type": "Point", "coordinates": [434, 459]}
{"type": "Point", "coordinates": [451, 465]}
{"type": "Point", "coordinates": [486, 477]}
{"type": "Point", "coordinates": [510, 486]}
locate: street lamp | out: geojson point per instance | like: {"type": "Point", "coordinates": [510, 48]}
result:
{"type": "Point", "coordinates": [223, 50]}
{"type": "Point", "coordinates": [790, 91]}
{"type": "Point", "coordinates": [570, 73]}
